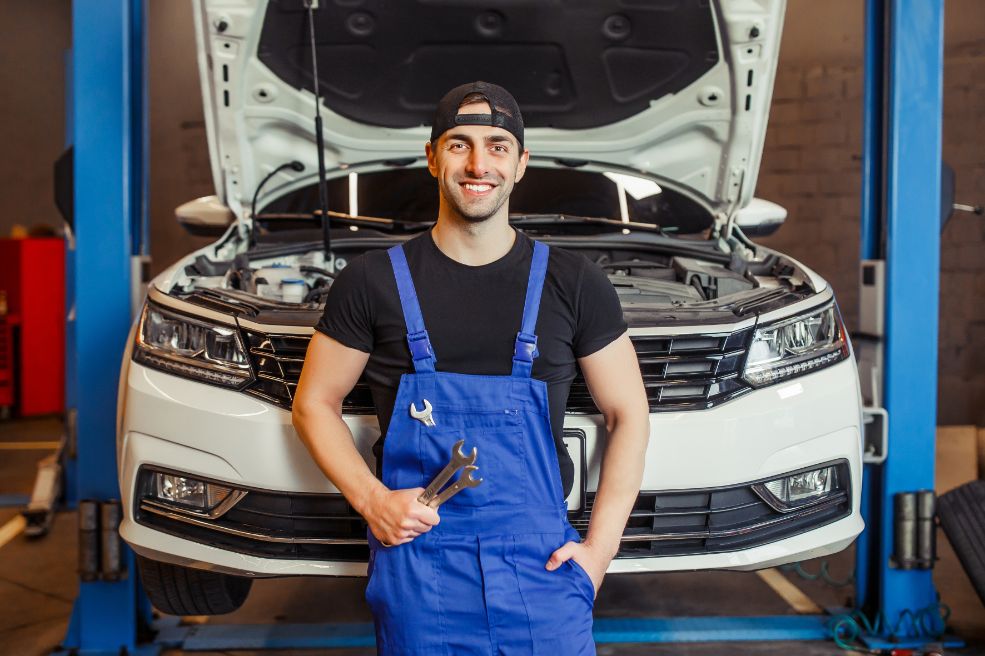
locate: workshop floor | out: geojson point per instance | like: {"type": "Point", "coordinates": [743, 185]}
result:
{"type": "Point", "coordinates": [38, 584]}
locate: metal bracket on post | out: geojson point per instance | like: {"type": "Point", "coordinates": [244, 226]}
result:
{"type": "Point", "coordinates": [869, 343]}
{"type": "Point", "coordinates": [875, 443]}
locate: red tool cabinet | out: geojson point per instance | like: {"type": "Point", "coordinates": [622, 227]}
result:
{"type": "Point", "coordinates": [32, 332]}
{"type": "Point", "coordinates": [6, 359]}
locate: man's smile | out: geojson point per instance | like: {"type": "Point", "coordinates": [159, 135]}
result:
{"type": "Point", "coordinates": [476, 188]}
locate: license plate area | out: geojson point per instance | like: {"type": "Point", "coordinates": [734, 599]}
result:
{"type": "Point", "coordinates": [575, 441]}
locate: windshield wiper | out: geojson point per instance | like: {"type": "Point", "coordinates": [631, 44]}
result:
{"type": "Point", "coordinates": [557, 219]}
{"type": "Point", "coordinates": [378, 223]}
{"type": "Point", "coordinates": [410, 225]}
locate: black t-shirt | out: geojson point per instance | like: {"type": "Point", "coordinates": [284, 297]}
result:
{"type": "Point", "coordinates": [472, 315]}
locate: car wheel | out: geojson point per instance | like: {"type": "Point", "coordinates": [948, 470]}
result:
{"type": "Point", "coordinates": [962, 513]}
{"type": "Point", "coordinates": [178, 590]}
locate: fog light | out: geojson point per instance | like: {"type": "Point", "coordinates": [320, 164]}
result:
{"type": "Point", "coordinates": [800, 489]}
{"type": "Point", "coordinates": [189, 492]}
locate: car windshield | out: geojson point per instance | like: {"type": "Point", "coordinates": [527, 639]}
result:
{"type": "Point", "coordinates": [410, 195]}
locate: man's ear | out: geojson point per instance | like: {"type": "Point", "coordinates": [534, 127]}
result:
{"type": "Point", "coordinates": [432, 159]}
{"type": "Point", "coordinates": [522, 166]}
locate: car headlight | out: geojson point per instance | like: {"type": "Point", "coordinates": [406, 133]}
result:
{"type": "Point", "coordinates": [797, 346]}
{"type": "Point", "coordinates": [190, 348]}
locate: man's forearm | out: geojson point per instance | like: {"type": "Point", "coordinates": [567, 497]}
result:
{"type": "Point", "coordinates": [330, 443]}
{"type": "Point", "coordinates": [619, 482]}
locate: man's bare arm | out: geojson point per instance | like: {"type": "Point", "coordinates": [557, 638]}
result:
{"type": "Point", "coordinates": [329, 374]}
{"type": "Point", "coordinates": [613, 377]}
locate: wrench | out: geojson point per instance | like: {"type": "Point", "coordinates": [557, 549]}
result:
{"type": "Point", "coordinates": [458, 460]}
{"type": "Point", "coordinates": [464, 481]}
{"type": "Point", "coordinates": [423, 416]}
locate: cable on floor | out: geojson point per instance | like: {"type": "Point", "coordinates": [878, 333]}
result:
{"type": "Point", "coordinates": [823, 574]}
{"type": "Point", "coordinates": [929, 621]}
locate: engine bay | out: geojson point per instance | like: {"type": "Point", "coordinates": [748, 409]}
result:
{"type": "Point", "coordinates": [656, 280]}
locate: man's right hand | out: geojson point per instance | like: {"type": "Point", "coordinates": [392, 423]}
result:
{"type": "Point", "coordinates": [396, 516]}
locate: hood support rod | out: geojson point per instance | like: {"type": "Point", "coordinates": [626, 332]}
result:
{"type": "Point", "coordinates": [319, 137]}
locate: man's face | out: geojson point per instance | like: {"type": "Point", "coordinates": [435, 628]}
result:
{"type": "Point", "coordinates": [476, 167]}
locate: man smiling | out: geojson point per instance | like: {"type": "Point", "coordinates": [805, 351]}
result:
{"type": "Point", "coordinates": [485, 327]}
{"type": "Point", "coordinates": [475, 188]}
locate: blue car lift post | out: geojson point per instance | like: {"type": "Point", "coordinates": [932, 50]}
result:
{"type": "Point", "coordinates": [108, 125]}
{"type": "Point", "coordinates": [900, 226]}
{"type": "Point", "coordinates": [901, 192]}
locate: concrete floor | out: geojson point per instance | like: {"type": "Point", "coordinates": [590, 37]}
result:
{"type": "Point", "coordinates": [38, 584]}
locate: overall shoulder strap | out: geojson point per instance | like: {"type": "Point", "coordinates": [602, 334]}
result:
{"type": "Point", "coordinates": [417, 336]}
{"type": "Point", "coordinates": [525, 348]}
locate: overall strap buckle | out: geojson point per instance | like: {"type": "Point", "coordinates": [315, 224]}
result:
{"type": "Point", "coordinates": [420, 346]}
{"type": "Point", "coordinates": [525, 347]}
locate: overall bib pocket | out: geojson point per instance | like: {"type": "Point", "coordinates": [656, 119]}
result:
{"type": "Point", "coordinates": [499, 447]}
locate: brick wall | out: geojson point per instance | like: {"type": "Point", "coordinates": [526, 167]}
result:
{"type": "Point", "coordinates": [961, 390]}
{"type": "Point", "coordinates": [32, 110]}
{"type": "Point", "coordinates": [811, 165]}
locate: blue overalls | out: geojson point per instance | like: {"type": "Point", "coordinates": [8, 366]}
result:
{"type": "Point", "coordinates": [476, 582]}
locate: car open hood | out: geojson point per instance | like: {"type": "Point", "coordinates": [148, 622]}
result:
{"type": "Point", "coordinates": [675, 89]}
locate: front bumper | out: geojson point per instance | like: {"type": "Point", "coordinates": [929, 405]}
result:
{"type": "Point", "coordinates": [179, 425]}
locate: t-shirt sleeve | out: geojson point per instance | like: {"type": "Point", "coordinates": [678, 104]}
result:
{"type": "Point", "coordinates": [599, 319]}
{"type": "Point", "coordinates": [348, 318]}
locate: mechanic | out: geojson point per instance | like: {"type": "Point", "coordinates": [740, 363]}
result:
{"type": "Point", "coordinates": [482, 326]}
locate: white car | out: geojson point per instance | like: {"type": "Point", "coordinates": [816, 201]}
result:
{"type": "Point", "coordinates": [645, 124]}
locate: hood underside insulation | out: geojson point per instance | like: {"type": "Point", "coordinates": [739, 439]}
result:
{"type": "Point", "coordinates": [569, 63]}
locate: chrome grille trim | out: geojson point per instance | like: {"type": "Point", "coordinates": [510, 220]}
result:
{"type": "Point", "coordinates": [221, 509]}
{"type": "Point", "coordinates": [680, 372]}
{"type": "Point", "coordinates": [253, 535]}
{"type": "Point", "coordinates": [715, 361]}
{"type": "Point", "coordinates": [707, 534]}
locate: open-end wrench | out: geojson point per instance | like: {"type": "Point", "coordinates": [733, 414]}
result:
{"type": "Point", "coordinates": [457, 461]}
{"type": "Point", "coordinates": [464, 481]}
{"type": "Point", "coordinates": [423, 416]}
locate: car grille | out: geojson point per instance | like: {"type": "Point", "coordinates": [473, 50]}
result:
{"type": "Point", "coordinates": [695, 522]}
{"type": "Point", "coordinates": [326, 527]}
{"type": "Point", "coordinates": [689, 372]}
{"type": "Point", "coordinates": [277, 361]}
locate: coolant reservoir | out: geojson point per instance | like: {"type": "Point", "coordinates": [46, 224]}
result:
{"type": "Point", "coordinates": [270, 278]}
{"type": "Point", "coordinates": [292, 290]}
{"type": "Point", "coordinates": [275, 273]}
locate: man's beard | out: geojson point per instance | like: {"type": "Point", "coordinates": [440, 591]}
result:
{"type": "Point", "coordinates": [479, 212]}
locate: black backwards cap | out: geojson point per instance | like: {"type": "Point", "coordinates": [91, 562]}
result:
{"type": "Point", "coordinates": [505, 112]}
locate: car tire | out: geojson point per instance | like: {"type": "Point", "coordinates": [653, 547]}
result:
{"type": "Point", "coordinates": [178, 590]}
{"type": "Point", "coordinates": [962, 514]}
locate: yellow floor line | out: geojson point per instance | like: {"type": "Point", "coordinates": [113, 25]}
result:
{"type": "Point", "coordinates": [12, 529]}
{"type": "Point", "coordinates": [28, 446]}
{"type": "Point", "coordinates": [789, 592]}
